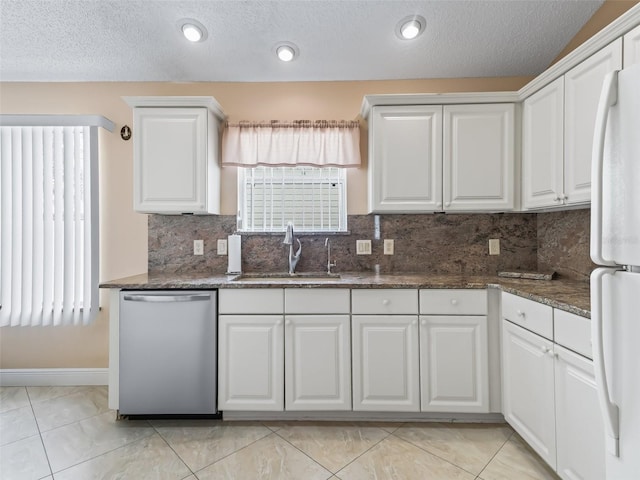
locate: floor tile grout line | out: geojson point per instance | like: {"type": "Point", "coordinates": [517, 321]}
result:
{"type": "Point", "coordinates": [436, 455]}
{"type": "Point", "coordinates": [172, 449]}
{"type": "Point", "coordinates": [65, 424]}
{"type": "Point", "coordinates": [306, 454]}
{"type": "Point", "coordinates": [497, 452]}
{"type": "Point", "coordinates": [44, 448]}
{"type": "Point", "coordinates": [367, 450]}
{"type": "Point", "coordinates": [103, 454]}
{"type": "Point", "coordinates": [221, 458]}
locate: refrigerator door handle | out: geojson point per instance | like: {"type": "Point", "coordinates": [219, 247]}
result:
{"type": "Point", "coordinates": [608, 98]}
{"type": "Point", "coordinates": [608, 408]}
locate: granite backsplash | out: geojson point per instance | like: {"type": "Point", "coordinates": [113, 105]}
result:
{"type": "Point", "coordinates": [437, 243]}
{"type": "Point", "coordinates": [457, 244]}
{"type": "Point", "coordinates": [563, 243]}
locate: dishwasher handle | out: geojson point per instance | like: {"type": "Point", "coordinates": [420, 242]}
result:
{"type": "Point", "coordinates": [195, 297]}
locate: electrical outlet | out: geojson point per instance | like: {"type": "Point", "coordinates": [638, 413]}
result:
{"type": "Point", "coordinates": [494, 246]}
{"type": "Point", "coordinates": [363, 247]}
{"type": "Point", "coordinates": [222, 246]}
{"type": "Point", "coordinates": [388, 246]}
{"type": "Point", "coordinates": [198, 247]}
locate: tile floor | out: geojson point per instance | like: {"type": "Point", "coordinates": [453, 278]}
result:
{"type": "Point", "coordinates": [68, 433]}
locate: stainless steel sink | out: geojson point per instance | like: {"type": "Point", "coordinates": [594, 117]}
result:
{"type": "Point", "coordinates": [286, 277]}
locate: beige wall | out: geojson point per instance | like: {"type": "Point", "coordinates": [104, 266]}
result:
{"type": "Point", "coordinates": [607, 13]}
{"type": "Point", "coordinates": [124, 233]}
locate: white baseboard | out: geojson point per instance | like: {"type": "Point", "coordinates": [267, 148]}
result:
{"type": "Point", "coordinates": [49, 377]}
{"type": "Point", "coordinates": [366, 416]}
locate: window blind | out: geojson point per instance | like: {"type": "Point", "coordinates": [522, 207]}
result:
{"type": "Point", "coordinates": [49, 228]}
{"type": "Point", "coordinates": [313, 198]}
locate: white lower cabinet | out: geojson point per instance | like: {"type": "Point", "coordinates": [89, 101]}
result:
{"type": "Point", "coordinates": [454, 374]}
{"type": "Point", "coordinates": [251, 362]}
{"type": "Point", "coordinates": [317, 362]}
{"type": "Point", "coordinates": [549, 392]}
{"type": "Point", "coordinates": [385, 363]}
{"type": "Point", "coordinates": [579, 427]}
{"type": "Point", "coordinates": [528, 388]}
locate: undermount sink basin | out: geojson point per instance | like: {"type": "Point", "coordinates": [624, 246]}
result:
{"type": "Point", "coordinates": [286, 277]}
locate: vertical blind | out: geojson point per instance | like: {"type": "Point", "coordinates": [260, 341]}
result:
{"type": "Point", "coordinates": [49, 229]}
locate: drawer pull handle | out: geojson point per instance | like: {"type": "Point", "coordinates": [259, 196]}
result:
{"type": "Point", "coordinates": [287, 322]}
{"type": "Point", "coordinates": [279, 322]}
{"type": "Point", "coordinates": [424, 322]}
{"type": "Point", "coordinates": [520, 313]}
{"type": "Point", "coordinates": [386, 302]}
{"type": "Point", "coordinates": [414, 322]}
{"type": "Point", "coordinates": [544, 349]}
{"type": "Point", "coordinates": [454, 302]}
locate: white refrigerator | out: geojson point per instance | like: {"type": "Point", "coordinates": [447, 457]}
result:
{"type": "Point", "coordinates": [615, 284]}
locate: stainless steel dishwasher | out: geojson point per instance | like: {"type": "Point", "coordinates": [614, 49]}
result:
{"type": "Point", "coordinates": [168, 352]}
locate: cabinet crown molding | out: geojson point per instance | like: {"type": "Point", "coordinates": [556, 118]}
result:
{"type": "Point", "coordinates": [608, 34]}
{"type": "Point", "coordinates": [177, 101]}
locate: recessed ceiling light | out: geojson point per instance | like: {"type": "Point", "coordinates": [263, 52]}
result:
{"type": "Point", "coordinates": [410, 27]}
{"type": "Point", "coordinates": [192, 30]}
{"type": "Point", "coordinates": [286, 52]}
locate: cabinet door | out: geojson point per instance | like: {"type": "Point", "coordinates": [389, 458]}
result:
{"type": "Point", "coordinates": [251, 362]}
{"type": "Point", "coordinates": [583, 85]}
{"type": "Point", "coordinates": [170, 160]}
{"type": "Point", "coordinates": [579, 428]}
{"type": "Point", "coordinates": [317, 362]}
{"type": "Point", "coordinates": [543, 147]}
{"type": "Point", "coordinates": [528, 388]}
{"type": "Point", "coordinates": [385, 363]}
{"type": "Point", "coordinates": [454, 375]}
{"type": "Point", "coordinates": [478, 159]}
{"type": "Point", "coordinates": [405, 159]}
{"type": "Point", "coordinates": [631, 44]}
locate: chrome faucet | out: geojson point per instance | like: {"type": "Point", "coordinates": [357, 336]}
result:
{"type": "Point", "coordinates": [288, 240]}
{"type": "Point", "coordinates": [327, 243]}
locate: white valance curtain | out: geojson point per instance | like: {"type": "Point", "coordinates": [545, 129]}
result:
{"type": "Point", "coordinates": [320, 143]}
{"type": "Point", "coordinates": [49, 232]}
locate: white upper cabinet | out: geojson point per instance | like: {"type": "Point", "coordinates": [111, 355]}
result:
{"type": "Point", "coordinates": [583, 85]}
{"type": "Point", "coordinates": [478, 157]}
{"type": "Point", "coordinates": [543, 147]}
{"type": "Point", "coordinates": [405, 159]}
{"type": "Point", "coordinates": [631, 45]}
{"type": "Point", "coordinates": [409, 172]}
{"type": "Point", "coordinates": [176, 154]}
{"type": "Point", "coordinates": [557, 133]}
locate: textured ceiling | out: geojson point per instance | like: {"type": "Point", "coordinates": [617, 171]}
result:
{"type": "Point", "coordinates": [134, 40]}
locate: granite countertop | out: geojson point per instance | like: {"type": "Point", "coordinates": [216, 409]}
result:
{"type": "Point", "coordinates": [568, 295]}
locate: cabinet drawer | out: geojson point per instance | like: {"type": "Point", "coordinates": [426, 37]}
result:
{"type": "Point", "coordinates": [316, 300]}
{"type": "Point", "coordinates": [252, 301]}
{"type": "Point", "coordinates": [572, 331]}
{"type": "Point", "coordinates": [453, 302]}
{"type": "Point", "coordinates": [531, 315]}
{"type": "Point", "coordinates": [385, 301]}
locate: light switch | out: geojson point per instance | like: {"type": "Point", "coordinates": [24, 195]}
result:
{"type": "Point", "coordinates": [198, 247]}
{"type": "Point", "coordinates": [494, 246]}
{"type": "Point", "coordinates": [388, 246]}
{"type": "Point", "coordinates": [222, 246]}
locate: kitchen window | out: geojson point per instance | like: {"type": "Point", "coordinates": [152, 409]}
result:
{"type": "Point", "coordinates": [292, 172]}
{"type": "Point", "coordinates": [49, 219]}
{"type": "Point", "coordinates": [313, 198]}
